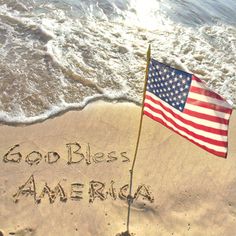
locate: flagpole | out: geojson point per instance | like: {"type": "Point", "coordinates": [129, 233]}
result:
{"type": "Point", "coordinates": [130, 198]}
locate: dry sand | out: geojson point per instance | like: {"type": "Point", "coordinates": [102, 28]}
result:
{"type": "Point", "coordinates": [180, 189]}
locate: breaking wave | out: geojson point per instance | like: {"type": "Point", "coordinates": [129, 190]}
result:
{"type": "Point", "coordinates": [60, 55]}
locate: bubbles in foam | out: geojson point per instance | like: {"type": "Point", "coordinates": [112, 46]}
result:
{"type": "Point", "coordinates": [53, 60]}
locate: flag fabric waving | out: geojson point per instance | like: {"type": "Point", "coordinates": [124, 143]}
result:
{"type": "Point", "coordinates": [184, 104]}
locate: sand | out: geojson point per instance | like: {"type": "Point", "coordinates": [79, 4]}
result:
{"type": "Point", "coordinates": [68, 176]}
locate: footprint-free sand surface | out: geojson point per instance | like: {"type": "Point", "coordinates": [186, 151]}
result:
{"type": "Point", "coordinates": [69, 175]}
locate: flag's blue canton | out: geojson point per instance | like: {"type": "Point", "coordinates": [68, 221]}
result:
{"type": "Point", "coordinates": [169, 84]}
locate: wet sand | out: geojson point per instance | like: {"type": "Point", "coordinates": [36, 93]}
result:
{"type": "Point", "coordinates": [68, 176]}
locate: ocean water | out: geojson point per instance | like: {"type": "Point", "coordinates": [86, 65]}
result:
{"type": "Point", "coordinates": [57, 55]}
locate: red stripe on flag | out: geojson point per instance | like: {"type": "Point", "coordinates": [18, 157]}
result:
{"type": "Point", "coordinates": [221, 154]}
{"type": "Point", "coordinates": [206, 117]}
{"type": "Point", "coordinates": [209, 105]}
{"type": "Point", "coordinates": [189, 122]}
{"type": "Point", "coordinates": [205, 92]}
{"type": "Point", "coordinates": [197, 136]}
{"type": "Point", "coordinates": [196, 79]}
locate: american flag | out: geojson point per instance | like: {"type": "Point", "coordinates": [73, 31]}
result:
{"type": "Point", "coordinates": [184, 104]}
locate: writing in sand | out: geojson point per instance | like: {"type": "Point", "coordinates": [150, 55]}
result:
{"type": "Point", "coordinates": [95, 190]}
{"type": "Point", "coordinates": [74, 155]}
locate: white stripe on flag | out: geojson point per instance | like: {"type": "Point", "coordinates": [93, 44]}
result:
{"type": "Point", "coordinates": [207, 111]}
{"type": "Point", "coordinates": [214, 147]}
{"type": "Point", "coordinates": [207, 99]}
{"type": "Point", "coordinates": [182, 124]}
{"type": "Point", "coordinates": [189, 117]}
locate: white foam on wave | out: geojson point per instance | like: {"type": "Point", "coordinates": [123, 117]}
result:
{"type": "Point", "coordinates": [19, 117]}
{"type": "Point", "coordinates": [145, 14]}
{"type": "Point", "coordinates": [87, 58]}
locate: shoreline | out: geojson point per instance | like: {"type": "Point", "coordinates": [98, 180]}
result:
{"type": "Point", "coordinates": [76, 109]}
{"type": "Point", "coordinates": [76, 167]}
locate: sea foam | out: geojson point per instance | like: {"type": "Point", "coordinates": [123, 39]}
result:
{"type": "Point", "coordinates": [60, 57]}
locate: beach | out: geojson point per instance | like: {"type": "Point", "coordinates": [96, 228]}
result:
{"type": "Point", "coordinates": [61, 55]}
{"type": "Point", "coordinates": [68, 175]}
{"type": "Point", "coordinates": [71, 88]}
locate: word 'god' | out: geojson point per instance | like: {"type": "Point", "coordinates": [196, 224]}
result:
{"type": "Point", "coordinates": [96, 190]}
{"type": "Point", "coordinates": [75, 154]}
